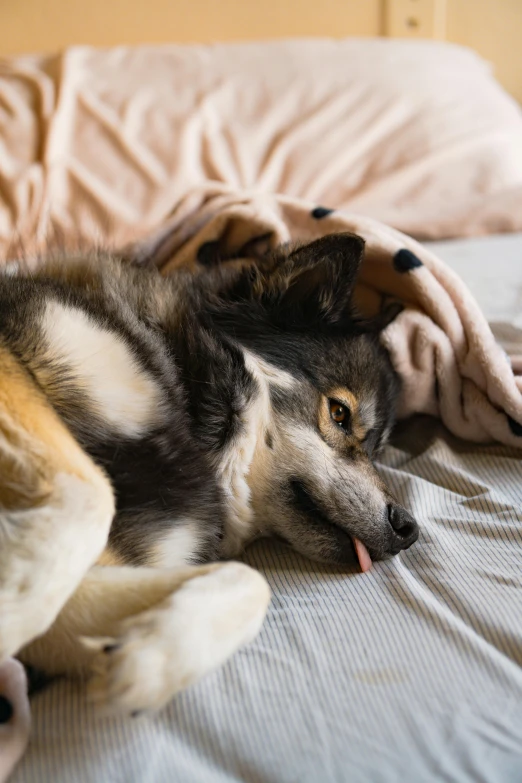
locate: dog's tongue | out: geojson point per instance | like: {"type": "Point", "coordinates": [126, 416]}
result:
{"type": "Point", "coordinates": [363, 555]}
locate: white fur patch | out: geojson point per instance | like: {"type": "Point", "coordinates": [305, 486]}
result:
{"type": "Point", "coordinates": [177, 548]}
{"type": "Point", "coordinates": [124, 394]}
{"type": "Point", "coordinates": [234, 469]}
{"type": "Point", "coordinates": [260, 368]}
{"type": "Point", "coordinates": [237, 461]}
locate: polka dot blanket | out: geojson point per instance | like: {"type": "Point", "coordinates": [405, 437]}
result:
{"type": "Point", "coordinates": [440, 343]}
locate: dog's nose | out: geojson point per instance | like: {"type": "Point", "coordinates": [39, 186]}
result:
{"type": "Point", "coordinates": [405, 529]}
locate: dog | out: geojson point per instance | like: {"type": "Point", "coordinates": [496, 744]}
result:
{"type": "Point", "coordinates": [150, 428]}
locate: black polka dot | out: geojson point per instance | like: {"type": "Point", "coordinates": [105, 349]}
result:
{"type": "Point", "coordinates": [515, 427]}
{"type": "Point", "coordinates": [405, 260]}
{"type": "Point", "coordinates": [6, 710]}
{"type": "Point", "coordinates": [208, 253]}
{"type": "Point", "coordinates": [321, 212]}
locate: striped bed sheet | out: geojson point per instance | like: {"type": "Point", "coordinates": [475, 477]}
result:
{"type": "Point", "coordinates": [412, 672]}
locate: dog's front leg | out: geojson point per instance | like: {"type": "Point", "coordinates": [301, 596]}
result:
{"type": "Point", "coordinates": [148, 633]}
{"type": "Point", "coordinates": [56, 509]}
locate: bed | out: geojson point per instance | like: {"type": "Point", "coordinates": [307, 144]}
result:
{"type": "Point", "coordinates": [411, 672]}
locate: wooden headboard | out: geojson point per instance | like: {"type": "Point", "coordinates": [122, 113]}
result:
{"type": "Point", "coordinates": [492, 27]}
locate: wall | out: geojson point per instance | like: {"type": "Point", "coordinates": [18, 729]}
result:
{"type": "Point", "coordinates": [32, 24]}
{"type": "Point", "coordinates": [492, 27]}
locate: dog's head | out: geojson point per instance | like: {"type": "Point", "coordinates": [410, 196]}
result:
{"type": "Point", "coordinates": [327, 408]}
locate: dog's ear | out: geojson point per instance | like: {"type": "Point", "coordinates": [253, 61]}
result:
{"type": "Point", "coordinates": [383, 319]}
{"type": "Point", "coordinates": [313, 283]}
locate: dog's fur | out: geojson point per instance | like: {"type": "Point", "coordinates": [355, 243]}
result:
{"type": "Point", "coordinates": [151, 425]}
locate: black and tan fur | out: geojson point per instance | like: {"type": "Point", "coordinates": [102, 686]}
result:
{"type": "Point", "coordinates": [149, 426]}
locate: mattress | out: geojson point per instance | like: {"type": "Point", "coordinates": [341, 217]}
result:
{"type": "Point", "coordinates": [411, 672]}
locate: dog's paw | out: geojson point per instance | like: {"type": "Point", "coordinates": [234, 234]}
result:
{"type": "Point", "coordinates": [160, 652]}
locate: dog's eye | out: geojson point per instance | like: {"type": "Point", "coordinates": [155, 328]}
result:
{"type": "Point", "coordinates": [340, 414]}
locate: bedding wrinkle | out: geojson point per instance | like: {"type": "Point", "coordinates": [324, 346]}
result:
{"type": "Point", "coordinates": [99, 191]}
{"type": "Point", "coordinates": [324, 119]}
{"type": "Point", "coordinates": [438, 596]}
{"type": "Point", "coordinates": [121, 133]}
{"type": "Point", "coordinates": [277, 159]}
{"type": "Point", "coordinates": [308, 97]}
{"type": "Point", "coordinates": [26, 102]}
{"type": "Point", "coordinates": [413, 176]}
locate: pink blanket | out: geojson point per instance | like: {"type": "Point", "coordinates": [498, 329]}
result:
{"type": "Point", "coordinates": [105, 146]}
{"type": "Point", "coordinates": [440, 344]}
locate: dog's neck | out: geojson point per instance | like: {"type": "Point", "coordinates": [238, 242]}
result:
{"type": "Point", "coordinates": [227, 388]}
